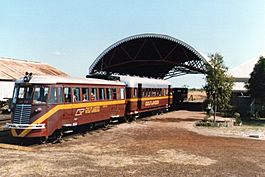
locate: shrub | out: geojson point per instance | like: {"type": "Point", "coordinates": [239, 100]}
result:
{"type": "Point", "coordinates": [206, 123]}
{"type": "Point", "coordinates": [237, 118]}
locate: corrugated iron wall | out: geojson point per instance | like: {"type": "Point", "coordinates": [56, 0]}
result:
{"type": "Point", "coordinates": [6, 89]}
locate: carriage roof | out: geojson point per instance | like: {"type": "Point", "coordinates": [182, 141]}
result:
{"type": "Point", "coordinates": [68, 80]}
{"type": "Point", "coordinates": [133, 81]}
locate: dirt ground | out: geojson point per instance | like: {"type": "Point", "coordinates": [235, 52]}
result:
{"type": "Point", "coordinates": [195, 95]}
{"type": "Point", "coordinates": [164, 145]}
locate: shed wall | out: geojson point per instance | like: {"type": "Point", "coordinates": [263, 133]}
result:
{"type": "Point", "coordinates": [6, 89]}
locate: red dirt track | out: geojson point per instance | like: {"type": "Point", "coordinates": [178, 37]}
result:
{"type": "Point", "coordinates": [155, 146]}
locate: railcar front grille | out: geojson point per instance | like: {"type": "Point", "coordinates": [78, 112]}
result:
{"type": "Point", "coordinates": [22, 114]}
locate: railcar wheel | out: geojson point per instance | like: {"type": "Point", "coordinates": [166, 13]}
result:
{"type": "Point", "coordinates": [127, 119]}
{"type": "Point", "coordinates": [106, 124]}
{"type": "Point", "coordinates": [44, 139]}
{"type": "Point", "coordinates": [58, 136]}
{"type": "Point", "coordinates": [134, 117]}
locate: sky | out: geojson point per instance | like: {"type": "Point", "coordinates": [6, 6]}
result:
{"type": "Point", "coordinates": [70, 35]}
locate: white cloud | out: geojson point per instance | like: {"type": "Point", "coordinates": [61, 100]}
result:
{"type": "Point", "coordinates": [58, 53]}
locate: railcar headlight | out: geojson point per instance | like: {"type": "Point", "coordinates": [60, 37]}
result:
{"type": "Point", "coordinates": [38, 110]}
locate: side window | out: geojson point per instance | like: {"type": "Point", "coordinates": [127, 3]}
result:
{"type": "Point", "coordinates": [114, 93]}
{"type": "Point", "coordinates": [135, 92]}
{"type": "Point", "coordinates": [165, 92]}
{"type": "Point", "coordinates": [94, 94]}
{"type": "Point", "coordinates": [153, 92]}
{"type": "Point", "coordinates": [101, 93]}
{"type": "Point", "coordinates": [60, 95]}
{"type": "Point", "coordinates": [53, 96]}
{"type": "Point", "coordinates": [122, 93]}
{"type": "Point", "coordinates": [149, 92]}
{"type": "Point", "coordinates": [40, 95]}
{"type": "Point", "coordinates": [76, 95]}
{"type": "Point", "coordinates": [67, 95]}
{"type": "Point", "coordinates": [143, 92]}
{"type": "Point", "coordinates": [109, 94]}
{"type": "Point", "coordinates": [85, 94]}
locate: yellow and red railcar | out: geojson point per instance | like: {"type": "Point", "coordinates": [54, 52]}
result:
{"type": "Point", "coordinates": [42, 105]}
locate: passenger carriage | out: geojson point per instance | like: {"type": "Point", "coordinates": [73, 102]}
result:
{"type": "Point", "coordinates": [146, 94]}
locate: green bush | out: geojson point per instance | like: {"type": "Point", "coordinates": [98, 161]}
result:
{"type": "Point", "coordinates": [206, 123]}
{"type": "Point", "coordinates": [237, 118]}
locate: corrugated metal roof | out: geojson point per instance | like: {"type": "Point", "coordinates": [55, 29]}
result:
{"type": "Point", "coordinates": [244, 70]}
{"type": "Point", "coordinates": [12, 69]}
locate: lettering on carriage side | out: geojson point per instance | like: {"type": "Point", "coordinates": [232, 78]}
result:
{"type": "Point", "coordinates": [151, 103]}
{"type": "Point", "coordinates": [79, 112]}
{"type": "Point", "coordinates": [87, 110]}
{"type": "Point", "coordinates": [92, 109]}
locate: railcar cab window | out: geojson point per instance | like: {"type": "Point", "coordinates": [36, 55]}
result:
{"type": "Point", "coordinates": [67, 95]}
{"type": "Point", "coordinates": [25, 93]}
{"type": "Point", "coordinates": [40, 95]}
{"type": "Point", "coordinates": [14, 100]}
{"type": "Point", "coordinates": [76, 95]}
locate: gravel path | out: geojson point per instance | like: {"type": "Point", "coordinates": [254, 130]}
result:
{"type": "Point", "coordinates": [165, 145]}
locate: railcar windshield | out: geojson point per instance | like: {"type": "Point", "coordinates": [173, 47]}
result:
{"type": "Point", "coordinates": [30, 94]}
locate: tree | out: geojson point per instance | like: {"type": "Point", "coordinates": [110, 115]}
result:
{"type": "Point", "coordinates": [256, 83]}
{"type": "Point", "coordinates": [218, 83]}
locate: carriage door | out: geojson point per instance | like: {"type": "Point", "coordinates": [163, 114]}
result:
{"type": "Point", "coordinates": [68, 112]}
{"type": "Point", "coordinates": [169, 94]}
{"type": "Point", "coordinates": [139, 102]}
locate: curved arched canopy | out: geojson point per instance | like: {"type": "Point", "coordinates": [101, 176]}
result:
{"type": "Point", "coordinates": [150, 55]}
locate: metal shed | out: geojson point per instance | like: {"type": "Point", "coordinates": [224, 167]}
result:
{"type": "Point", "coordinates": [12, 69]}
{"type": "Point", "coordinates": [150, 55]}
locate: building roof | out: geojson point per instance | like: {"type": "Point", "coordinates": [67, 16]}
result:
{"type": "Point", "coordinates": [12, 69]}
{"type": "Point", "coordinates": [150, 55]}
{"type": "Point", "coordinates": [243, 70]}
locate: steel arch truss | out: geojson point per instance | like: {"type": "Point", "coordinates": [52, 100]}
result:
{"type": "Point", "coordinates": [150, 55]}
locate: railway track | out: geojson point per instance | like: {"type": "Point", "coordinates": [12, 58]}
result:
{"type": "Point", "coordinates": [4, 118]}
{"type": "Point", "coordinates": [9, 142]}
{"type": "Point", "coordinates": [31, 144]}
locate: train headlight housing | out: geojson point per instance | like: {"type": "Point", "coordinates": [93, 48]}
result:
{"type": "Point", "coordinates": [38, 110]}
